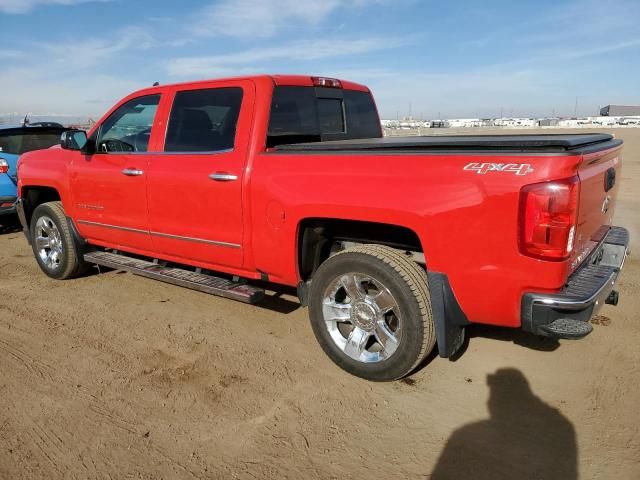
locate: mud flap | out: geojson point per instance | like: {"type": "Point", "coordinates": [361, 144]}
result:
{"type": "Point", "coordinates": [448, 317]}
{"type": "Point", "coordinates": [23, 219]}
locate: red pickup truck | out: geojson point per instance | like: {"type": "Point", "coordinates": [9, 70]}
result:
{"type": "Point", "coordinates": [395, 244]}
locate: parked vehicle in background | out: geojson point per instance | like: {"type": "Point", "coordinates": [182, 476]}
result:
{"type": "Point", "coordinates": [14, 141]}
{"type": "Point", "coordinates": [46, 124]}
{"type": "Point", "coordinates": [396, 244]}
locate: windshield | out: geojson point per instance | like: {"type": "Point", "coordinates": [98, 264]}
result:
{"type": "Point", "coordinates": [310, 114]}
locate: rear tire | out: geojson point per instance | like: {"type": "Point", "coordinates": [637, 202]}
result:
{"type": "Point", "coordinates": [53, 244]}
{"type": "Point", "coordinates": [370, 310]}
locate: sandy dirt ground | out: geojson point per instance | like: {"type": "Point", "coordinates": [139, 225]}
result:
{"type": "Point", "coordinates": [116, 376]}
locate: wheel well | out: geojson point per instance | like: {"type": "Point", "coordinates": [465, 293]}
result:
{"type": "Point", "coordinates": [319, 237]}
{"type": "Point", "coordinates": [34, 196]}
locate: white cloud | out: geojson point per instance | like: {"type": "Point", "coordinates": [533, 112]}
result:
{"type": "Point", "coordinates": [69, 76]}
{"type": "Point", "coordinates": [10, 54]}
{"type": "Point", "coordinates": [264, 18]}
{"type": "Point", "coordinates": [254, 59]}
{"type": "Point", "coordinates": [25, 6]}
{"type": "Point", "coordinates": [24, 90]}
{"type": "Point", "coordinates": [567, 53]}
{"type": "Point", "coordinates": [94, 51]}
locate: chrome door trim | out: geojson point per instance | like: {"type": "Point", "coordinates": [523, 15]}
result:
{"type": "Point", "coordinates": [199, 240]}
{"type": "Point", "coordinates": [115, 227]}
{"type": "Point", "coordinates": [160, 234]}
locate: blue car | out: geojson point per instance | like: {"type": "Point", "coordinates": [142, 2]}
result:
{"type": "Point", "coordinates": [14, 141]}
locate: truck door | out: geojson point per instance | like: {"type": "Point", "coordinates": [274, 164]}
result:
{"type": "Point", "coordinates": [109, 186]}
{"type": "Point", "coordinates": [195, 185]}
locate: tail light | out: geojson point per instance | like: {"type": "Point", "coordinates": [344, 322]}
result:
{"type": "Point", "coordinates": [4, 166]}
{"type": "Point", "coordinates": [326, 82]}
{"type": "Point", "coordinates": [548, 215]}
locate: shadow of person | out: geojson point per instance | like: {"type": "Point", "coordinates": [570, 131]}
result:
{"type": "Point", "coordinates": [524, 438]}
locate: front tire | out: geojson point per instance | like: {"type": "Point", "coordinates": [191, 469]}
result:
{"type": "Point", "coordinates": [370, 311]}
{"type": "Point", "coordinates": [53, 244]}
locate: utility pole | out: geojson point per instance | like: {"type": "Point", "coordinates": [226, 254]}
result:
{"type": "Point", "coordinates": [575, 109]}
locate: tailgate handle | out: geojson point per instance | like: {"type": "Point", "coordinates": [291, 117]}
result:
{"type": "Point", "coordinates": [609, 179]}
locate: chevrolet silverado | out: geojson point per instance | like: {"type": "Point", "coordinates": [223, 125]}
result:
{"type": "Point", "coordinates": [395, 244]}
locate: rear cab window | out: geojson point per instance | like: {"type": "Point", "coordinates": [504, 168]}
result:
{"type": "Point", "coordinates": [314, 114]}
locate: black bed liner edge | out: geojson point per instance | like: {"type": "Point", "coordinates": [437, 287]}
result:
{"type": "Point", "coordinates": [562, 144]}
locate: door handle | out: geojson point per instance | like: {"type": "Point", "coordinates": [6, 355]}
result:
{"type": "Point", "coordinates": [132, 172]}
{"type": "Point", "coordinates": [223, 177]}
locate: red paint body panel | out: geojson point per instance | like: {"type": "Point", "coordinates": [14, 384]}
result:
{"type": "Point", "coordinates": [590, 214]}
{"type": "Point", "coordinates": [46, 169]}
{"type": "Point", "coordinates": [467, 222]}
{"type": "Point", "coordinates": [185, 202]}
{"type": "Point", "coordinates": [102, 194]}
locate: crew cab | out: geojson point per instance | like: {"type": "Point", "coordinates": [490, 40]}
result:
{"type": "Point", "coordinates": [395, 244]}
{"type": "Point", "coordinates": [14, 141]}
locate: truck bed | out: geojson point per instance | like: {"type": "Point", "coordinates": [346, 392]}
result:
{"type": "Point", "coordinates": [558, 144]}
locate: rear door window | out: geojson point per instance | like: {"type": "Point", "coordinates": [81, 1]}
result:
{"type": "Point", "coordinates": [204, 120]}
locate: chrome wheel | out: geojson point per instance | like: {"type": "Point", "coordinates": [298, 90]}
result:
{"type": "Point", "coordinates": [362, 317]}
{"type": "Point", "coordinates": [48, 242]}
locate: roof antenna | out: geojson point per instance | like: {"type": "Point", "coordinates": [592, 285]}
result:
{"type": "Point", "coordinates": [25, 122]}
{"type": "Point", "coordinates": [155, 84]}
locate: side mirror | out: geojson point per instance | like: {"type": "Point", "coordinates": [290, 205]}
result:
{"type": "Point", "coordinates": [73, 139]}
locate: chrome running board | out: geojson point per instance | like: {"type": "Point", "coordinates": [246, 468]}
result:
{"type": "Point", "coordinates": [178, 276]}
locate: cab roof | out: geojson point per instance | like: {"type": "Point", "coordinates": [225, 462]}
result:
{"type": "Point", "coordinates": [277, 79]}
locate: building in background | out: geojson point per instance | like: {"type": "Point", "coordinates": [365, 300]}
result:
{"type": "Point", "coordinates": [548, 122]}
{"type": "Point", "coordinates": [620, 111]}
{"type": "Point", "coordinates": [515, 122]}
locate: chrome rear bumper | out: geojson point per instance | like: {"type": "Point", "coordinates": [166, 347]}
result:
{"type": "Point", "coordinates": [587, 289]}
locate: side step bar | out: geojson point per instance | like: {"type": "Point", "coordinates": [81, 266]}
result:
{"type": "Point", "coordinates": [178, 276]}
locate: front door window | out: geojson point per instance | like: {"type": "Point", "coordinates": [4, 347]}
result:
{"type": "Point", "coordinates": [128, 129]}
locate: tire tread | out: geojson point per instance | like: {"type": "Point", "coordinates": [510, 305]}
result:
{"type": "Point", "coordinates": [74, 263]}
{"type": "Point", "coordinates": [416, 279]}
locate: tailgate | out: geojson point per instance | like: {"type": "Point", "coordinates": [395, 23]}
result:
{"type": "Point", "coordinates": [599, 178]}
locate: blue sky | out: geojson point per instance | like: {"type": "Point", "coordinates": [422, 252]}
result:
{"type": "Point", "coordinates": [459, 58]}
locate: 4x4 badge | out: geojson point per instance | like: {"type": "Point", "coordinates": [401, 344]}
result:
{"type": "Point", "coordinates": [483, 168]}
